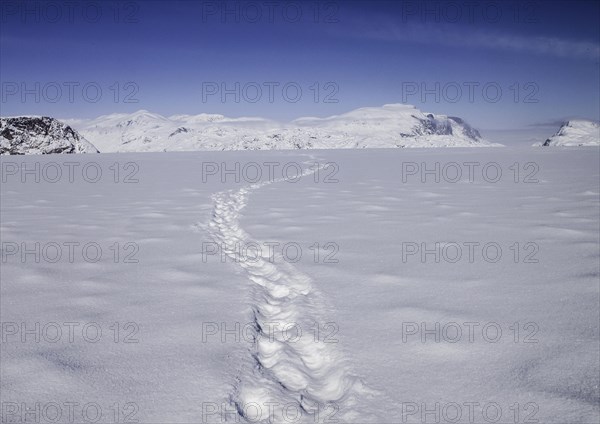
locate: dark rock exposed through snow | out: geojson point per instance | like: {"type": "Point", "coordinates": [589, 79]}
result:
{"type": "Point", "coordinates": [40, 135]}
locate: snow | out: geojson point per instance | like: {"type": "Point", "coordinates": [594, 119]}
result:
{"type": "Point", "coordinates": [40, 135]}
{"type": "Point", "coordinates": [393, 125]}
{"type": "Point", "coordinates": [368, 363]}
{"type": "Point", "coordinates": [576, 132]}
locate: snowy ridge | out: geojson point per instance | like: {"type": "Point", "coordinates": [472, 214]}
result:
{"type": "Point", "coordinates": [40, 135]}
{"type": "Point", "coordinates": [280, 372]}
{"type": "Point", "coordinates": [576, 132]}
{"type": "Point", "coordinates": [392, 125]}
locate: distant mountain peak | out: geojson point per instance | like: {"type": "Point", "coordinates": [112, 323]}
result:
{"type": "Point", "coordinates": [576, 132]}
{"type": "Point", "coordinates": [40, 135]}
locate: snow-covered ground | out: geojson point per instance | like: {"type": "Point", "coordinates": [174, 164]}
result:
{"type": "Point", "coordinates": [385, 323]}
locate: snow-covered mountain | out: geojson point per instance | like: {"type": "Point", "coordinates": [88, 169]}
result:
{"type": "Point", "coordinates": [40, 135]}
{"type": "Point", "coordinates": [576, 132]}
{"type": "Point", "coordinates": [393, 125]}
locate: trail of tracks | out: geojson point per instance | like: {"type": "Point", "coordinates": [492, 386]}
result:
{"type": "Point", "coordinates": [288, 374]}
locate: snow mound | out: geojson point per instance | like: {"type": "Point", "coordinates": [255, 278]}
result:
{"type": "Point", "coordinates": [577, 132]}
{"type": "Point", "coordinates": [40, 135]}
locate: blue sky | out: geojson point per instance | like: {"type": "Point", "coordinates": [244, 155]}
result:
{"type": "Point", "coordinates": [166, 57]}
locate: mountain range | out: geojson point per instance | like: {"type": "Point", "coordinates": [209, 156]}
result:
{"type": "Point", "coordinates": [391, 126]}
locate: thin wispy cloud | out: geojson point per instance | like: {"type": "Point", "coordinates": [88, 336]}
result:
{"type": "Point", "coordinates": [550, 123]}
{"type": "Point", "coordinates": [460, 37]}
{"type": "Point", "coordinates": [558, 122]}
